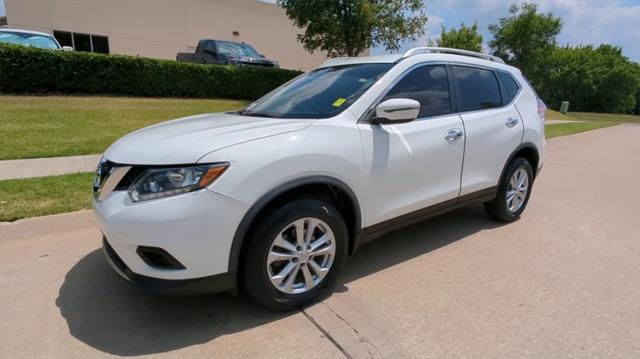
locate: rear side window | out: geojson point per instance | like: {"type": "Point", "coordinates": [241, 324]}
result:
{"type": "Point", "coordinates": [427, 85]}
{"type": "Point", "coordinates": [510, 85]}
{"type": "Point", "coordinates": [477, 88]}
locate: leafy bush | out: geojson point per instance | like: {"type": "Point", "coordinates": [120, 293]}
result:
{"type": "Point", "coordinates": [30, 70]}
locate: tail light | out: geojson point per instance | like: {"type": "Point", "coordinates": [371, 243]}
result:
{"type": "Point", "coordinates": [542, 109]}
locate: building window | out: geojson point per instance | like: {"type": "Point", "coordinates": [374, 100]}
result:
{"type": "Point", "coordinates": [100, 44]}
{"type": "Point", "coordinates": [63, 37]}
{"type": "Point", "coordinates": [83, 42]}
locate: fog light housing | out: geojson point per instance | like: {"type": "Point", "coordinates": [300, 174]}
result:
{"type": "Point", "coordinates": [158, 258]}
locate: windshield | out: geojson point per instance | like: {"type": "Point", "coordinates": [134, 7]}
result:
{"type": "Point", "coordinates": [321, 93]}
{"type": "Point", "coordinates": [26, 39]}
{"type": "Point", "coordinates": [233, 48]}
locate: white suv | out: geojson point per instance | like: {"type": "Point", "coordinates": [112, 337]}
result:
{"type": "Point", "coordinates": [272, 198]}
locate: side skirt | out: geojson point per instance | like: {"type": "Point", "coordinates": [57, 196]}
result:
{"type": "Point", "coordinates": [372, 232]}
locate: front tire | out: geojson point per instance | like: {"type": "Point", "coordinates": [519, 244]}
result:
{"type": "Point", "coordinates": [294, 254]}
{"type": "Point", "coordinates": [513, 192]}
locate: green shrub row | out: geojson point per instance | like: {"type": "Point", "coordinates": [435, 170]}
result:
{"type": "Point", "coordinates": [30, 70]}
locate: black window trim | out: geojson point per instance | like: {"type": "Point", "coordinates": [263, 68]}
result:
{"type": "Point", "coordinates": [453, 91]}
{"type": "Point", "coordinates": [502, 87]}
{"type": "Point", "coordinates": [367, 115]}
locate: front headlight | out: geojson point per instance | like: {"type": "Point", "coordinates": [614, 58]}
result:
{"type": "Point", "coordinates": [165, 182]}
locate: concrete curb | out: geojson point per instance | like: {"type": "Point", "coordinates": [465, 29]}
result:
{"type": "Point", "coordinates": [560, 122]}
{"type": "Point", "coordinates": [55, 223]}
{"type": "Point", "coordinates": [40, 167]}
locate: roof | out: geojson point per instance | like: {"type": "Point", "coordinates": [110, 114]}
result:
{"type": "Point", "coordinates": [437, 53]}
{"type": "Point", "coordinates": [24, 31]}
{"type": "Point", "coordinates": [378, 59]}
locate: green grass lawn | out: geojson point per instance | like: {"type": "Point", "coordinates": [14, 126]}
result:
{"type": "Point", "coordinates": [604, 117]}
{"type": "Point", "coordinates": [589, 121]}
{"type": "Point", "coordinates": [51, 126]}
{"type": "Point", "coordinates": [592, 117]}
{"type": "Point", "coordinates": [563, 129]}
{"type": "Point", "coordinates": [555, 115]}
{"type": "Point", "coordinates": [31, 197]}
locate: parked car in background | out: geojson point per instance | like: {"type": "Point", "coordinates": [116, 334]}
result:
{"type": "Point", "coordinates": [226, 53]}
{"type": "Point", "coordinates": [273, 197]}
{"type": "Point", "coordinates": [37, 39]}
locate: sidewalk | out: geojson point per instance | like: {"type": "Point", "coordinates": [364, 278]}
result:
{"type": "Point", "coordinates": [559, 122]}
{"type": "Point", "coordinates": [40, 167]}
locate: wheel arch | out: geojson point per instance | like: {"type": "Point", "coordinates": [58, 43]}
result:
{"type": "Point", "coordinates": [321, 186]}
{"type": "Point", "coordinates": [528, 151]}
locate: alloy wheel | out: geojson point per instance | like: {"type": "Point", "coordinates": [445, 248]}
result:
{"type": "Point", "coordinates": [517, 190]}
{"type": "Point", "coordinates": [301, 255]}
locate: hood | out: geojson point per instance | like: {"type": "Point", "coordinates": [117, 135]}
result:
{"type": "Point", "coordinates": [247, 60]}
{"type": "Point", "coordinates": [186, 140]}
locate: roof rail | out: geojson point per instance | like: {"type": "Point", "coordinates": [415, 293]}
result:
{"type": "Point", "coordinates": [446, 50]}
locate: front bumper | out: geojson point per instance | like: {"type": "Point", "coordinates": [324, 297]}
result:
{"type": "Point", "coordinates": [212, 284]}
{"type": "Point", "coordinates": [196, 229]}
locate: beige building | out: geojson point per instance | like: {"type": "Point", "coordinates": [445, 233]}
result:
{"type": "Point", "coordinates": [162, 28]}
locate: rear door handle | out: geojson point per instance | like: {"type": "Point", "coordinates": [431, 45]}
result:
{"type": "Point", "coordinates": [511, 122]}
{"type": "Point", "coordinates": [453, 135]}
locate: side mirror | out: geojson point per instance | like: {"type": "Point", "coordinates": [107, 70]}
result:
{"type": "Point", "coordinates": [261, 56]}
{"type": "Point", "coordinates": [211, 52]}
{"type": "Point", "coordinates": [397, 110]}
{"type": "Point", "coordinates": [67, 48]}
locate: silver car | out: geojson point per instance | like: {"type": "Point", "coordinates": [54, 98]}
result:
{"type": "Point", "coordinates": [36, 39]}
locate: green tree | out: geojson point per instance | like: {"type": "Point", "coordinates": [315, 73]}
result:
{"type": "Point", "coordinates": [465, 38]}
{"type": "Point", "coordinates": [636, 71]}
{"type": "Point", "coordinates": [524, 38]}
{"type": "Point", "coordinates": [351, 27]}
{"type": "Point", "coordinates": [593, 79]}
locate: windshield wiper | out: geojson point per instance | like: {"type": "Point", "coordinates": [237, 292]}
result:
{"type": "Point", "coordinates": [255, 114]}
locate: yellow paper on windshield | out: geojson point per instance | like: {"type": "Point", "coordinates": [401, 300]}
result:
{"type": "Point", "coordinates": [339, 102]}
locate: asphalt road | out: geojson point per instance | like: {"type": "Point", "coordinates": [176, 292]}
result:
{"type": "Point", "coordinates": [564, 281]}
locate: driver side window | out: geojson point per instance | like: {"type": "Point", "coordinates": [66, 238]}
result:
{"type": "Point", "coordinates": [429, 86]}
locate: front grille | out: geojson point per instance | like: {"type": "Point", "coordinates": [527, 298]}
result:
{"type": "Point", "coordinates": [261, 64]}
{"type": "Point", "coordinates": [102, 172]}
{"type": "Point", "coordinates": [132, 175]}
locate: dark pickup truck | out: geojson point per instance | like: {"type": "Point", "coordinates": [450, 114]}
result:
{"type": "Point", "coordinates": [226, 53]}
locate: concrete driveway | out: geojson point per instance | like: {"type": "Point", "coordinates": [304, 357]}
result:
{"type": "Point", "coordinates": [564, 281]}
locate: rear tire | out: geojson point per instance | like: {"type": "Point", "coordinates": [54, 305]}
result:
{"type": "Point", "coordinates": [295, 254]}
{"type": "Point", "coordinates": [513, 192]}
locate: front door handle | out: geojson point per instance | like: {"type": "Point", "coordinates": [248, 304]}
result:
{"type": "Point", "coordinates": [511, 122]}
{"type": "Point", "coordinates": [453, 135]}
